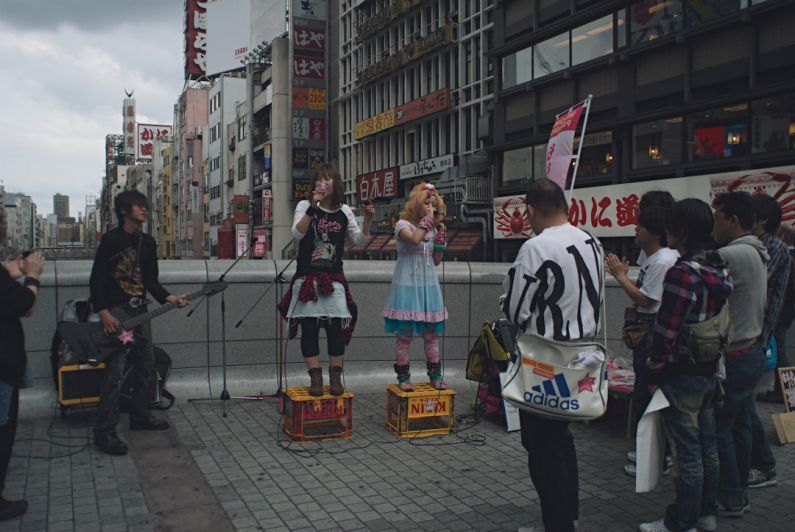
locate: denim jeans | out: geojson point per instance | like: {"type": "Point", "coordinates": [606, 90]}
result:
{"type": "Point", "coordinates": [761, 455]}
{"type": "Point", "coordinates": [640, 393]}
{"type": "Point", "coordinates": [733, 424]}
{"type": "Point", "coordinates": [690, 423]}
{"type": "Point", "coordinates": [780, 334]}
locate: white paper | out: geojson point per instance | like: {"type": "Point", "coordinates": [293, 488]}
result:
{"type": "Point", "coordinates": [650, 444]}
{"type": "Point", "coordinates": [511, 412]}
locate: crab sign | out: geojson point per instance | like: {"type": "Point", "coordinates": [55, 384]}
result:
{"type": "Point", "coordinates": [512, 220]}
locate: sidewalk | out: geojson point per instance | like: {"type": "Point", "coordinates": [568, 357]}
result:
{"type": "Point", "coordinates": [239, 473]}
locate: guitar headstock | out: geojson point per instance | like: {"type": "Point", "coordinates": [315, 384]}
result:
{"type": "Point", "coordinates": [209, 289]}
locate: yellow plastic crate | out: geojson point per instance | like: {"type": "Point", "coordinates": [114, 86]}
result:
{"type": "Point", "coordinates": [425, 411]}
{"type": "Point", "coordinates": [308, 418]}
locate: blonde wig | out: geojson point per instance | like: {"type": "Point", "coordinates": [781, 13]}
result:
{"type": "Point", "coordinates": [412, 210]}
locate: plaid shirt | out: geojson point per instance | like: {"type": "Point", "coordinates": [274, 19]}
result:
{"type": "Point", "coordinates": [778, 269]}
{"type": "Point", "coordinates": [692, 292]}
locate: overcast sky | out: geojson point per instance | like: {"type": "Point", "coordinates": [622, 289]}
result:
{"type": "Point", "coordinates": [65, 65]}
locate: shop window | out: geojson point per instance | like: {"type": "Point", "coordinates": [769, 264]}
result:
{"type": "Point", "coordinates": [701, 11]}
{"type": "Point", "coordinates": [621, 28]}
{"type": "Point", "coordinates": [539, 161]}
{"type": "Point", "coordinates": [773, 124]}
{"type": "Point", "coordinates": [517, 165]}
{"type": "Point", "coordinates": [551, 55]}
{"type": "Point", "coordinates": [657, 143]}
{"type": "Point", "coordinates": [592, 40]}
{"type": "Point", "coordinates": [718, 133]}
{"type": "Point", "coordinates": [517, 68]}
{"type": "Point", "coordinates": [652, 19]}
{"type": "Point", "coordinates": [597, 154]}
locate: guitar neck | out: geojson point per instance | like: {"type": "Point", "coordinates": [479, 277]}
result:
{"type": "Point", "coordinates": [162, 309]}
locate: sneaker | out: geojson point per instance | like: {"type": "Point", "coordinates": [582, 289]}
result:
{"type": "Point", "coordinates": [725, 511]}
{"type": "Point", "coordinates": [12, 509]}
{"type": "Point", "coordinates": [709, 523]}
{"type": "Point", "coordinates": [631, 469]}
{"type": "Point", "coordinates": [771, 396]}
{"type": "Point", "coordinates": [632, 457]}
{"type": "Point", "coordinates": [658, 526]}
{"type": "Point", "coordinates": [761, 479]}
{"type": "Point", "coordinates": [109, 443]}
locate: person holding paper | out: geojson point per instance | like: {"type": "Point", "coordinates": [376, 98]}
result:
{"type": "Point", "coordinates": [695, 289]}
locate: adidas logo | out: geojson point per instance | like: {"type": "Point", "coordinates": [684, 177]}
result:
{"type": "Point", "coordinates": [546, 394]}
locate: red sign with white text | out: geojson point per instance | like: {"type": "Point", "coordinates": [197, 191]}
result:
{"type": "Point", "coordinates": [561, 144]}
{"type": "Point", "coordinates": [145, 140]}
{"type": "Point", "coordinates": [430, 103]}
{"type": "Point", "coordinates": [195, 39]}
{"type": "Point", "coordinates": [380, 184]}
{"type": "Point", "coordinates": [309, 39]}
{"type": "Point", "coordinates": [309, 66]}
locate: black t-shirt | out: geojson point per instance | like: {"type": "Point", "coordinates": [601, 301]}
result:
{"type": "Point", "coordinates": [322, 247]}
{"type": "Point", "coordinates": [118, 275]}
{"type": "Point", "coordinates": [15, 301]}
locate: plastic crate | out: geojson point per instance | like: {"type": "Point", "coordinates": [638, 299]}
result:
{"type": "Point", "coordinates": [425, 411]}
{"type": "Point", "coordinates": [308, 418]}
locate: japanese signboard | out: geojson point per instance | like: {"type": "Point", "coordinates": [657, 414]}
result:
{"type": "Point", "coordinates": [128, 125]}
{"type": "Point", "coordinates": [146, 136]}
{"type": "Point", "coordinates": [228, 34]}
{"type": "Point", "coordinates": [309, 39]}
{"type": "Point", "coordinates": [242, 242]}
{"type": "Point", "coordinates": [316, 158]}
{"type": "Point", "coordinates": [260, 237]}
{"type": "Point", "coordinates": [311, 9]}
{"type": "Point", "coordinates": [301, 189]}
{"type": "Point", "coordinates": [426, 167]}
{"type": "Point", "coordinates": [300, 127]}
{"type": "Point", "coordinates": [266, 163]}
{"type": "Point", "coordinates": [380, 184]}
{"type": "Point", "coordinates": [267, 206]}
{"type": "Point", "coordinates": [306, 98]}
{"type": "Point", "coordinates": [114, 151]}
{"type": "Point", "coordinates": [560, 148]}
{"type": "Point", "coordinates": [612, 211]}
{"type": "Point", "coordinates": [427, 105]}
{"type": "Point", "coordinates": [309, 66]}
{"type": "Point", "coordinates": [374, 124]}
{"type": "Point", "coordinates": [241, 209]}
{"type": "Point", "coordinates": [300, 158]}
{"type": "Point", "coordinates": [195, 38]}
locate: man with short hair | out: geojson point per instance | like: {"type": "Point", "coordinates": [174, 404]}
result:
{"type": "Point", "coordinates": [767, 219]}
{"type": "Point", "coordinates": [747, 258]}
{"type": "Point", "coordinates": [554, 289]}
{"type": "Point", "coordinates": [125, 268]}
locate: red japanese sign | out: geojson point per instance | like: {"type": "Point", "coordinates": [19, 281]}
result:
{"type": "Point", "coordinates": [195, 38]}
{"type": "Point", "coordinates": [309, 39]}
{"type": "Point", "coordinates": [317, 129]}
{"type": "Point", "coordinates": [561, 144]}
{"type": "Point", "coordinates": [145, 139]}
{"type": "Point", "coordinates": [308, 98]}
{"type": "Point", "coordinates": [267, 206]}
{"type": "Point", "coordinates": [308, 66]}
{"type": "Point", "coordinates": [379, 184]}
{"type": "Point", "coordinates": [260, 237]}
{"type": "Point", "coordinates": [428, 104]}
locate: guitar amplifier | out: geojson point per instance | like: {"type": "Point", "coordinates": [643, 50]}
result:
{"type": "Point", "coordinates": [79, 384]}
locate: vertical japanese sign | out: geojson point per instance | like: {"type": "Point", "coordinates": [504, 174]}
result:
{"type": "Point", "coordinates": [128, 125]}
{"type": "Point", "coordinates": [560, 149]}
{"type": "Point", "coordinates": [260, 237]}
{"type": "Point", "coordinates": [242, 242]}
{"type": "Point", "coordinates": [195, 41]}
{"type": "Point", "coordinates": [145, 139]}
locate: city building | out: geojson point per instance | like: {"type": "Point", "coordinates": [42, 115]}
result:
{"type": "Point", "coordinates": [115, 181]}
{"type": "Point", "coordinates": [60, 205]}
{"type": "Point", "coordinates": [413, 85]}
{"type": "Point", "coordinates": [20, 221]}
{"type": "Point", "coordinates": [169, 210]}
{"type": "Point", "coordinates": [693, 97]}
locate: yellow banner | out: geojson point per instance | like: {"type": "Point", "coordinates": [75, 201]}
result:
{"type": "Point", "coordinates": [374, 124]}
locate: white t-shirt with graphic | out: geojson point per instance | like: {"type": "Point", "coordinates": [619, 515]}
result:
{"type": "Point", "coordinates": [555, 286]}
{"type": "Point", "coordinates": [652, 274]}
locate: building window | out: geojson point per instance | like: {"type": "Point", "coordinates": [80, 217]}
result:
{"type": "Point", "coordinates": [596, 157]}
{"type": "Point", "coordinates": [551, 55]}
{"type": "Point", "coordinates": [657, 143]}
{"type": "Point", "coordinates": [718, 133]}
{"type": "Point", "coordinates": [241, 168]}
{"type": "Point", "coordinates": [592, 40]}
{"type": "Point", "coordinates": [773, 124]}
{"type": "Point", "coordinates": [517, 68]}
{"type": "Point", "coordinates": [652, 19]}
{"type": "Point", "coordinates": [517, 165]}
{"type": "Point", "coordinates": [700, 11]}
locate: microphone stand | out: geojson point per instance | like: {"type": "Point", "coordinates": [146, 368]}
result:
{"type": "Point", "coordinates": [224, 393]}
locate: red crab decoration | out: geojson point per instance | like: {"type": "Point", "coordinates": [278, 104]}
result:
{"type": "Point", "coordinates": [513, 223]}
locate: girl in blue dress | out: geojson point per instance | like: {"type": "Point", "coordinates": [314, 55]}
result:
{"type": "Point", "coordinates": [415, 306]}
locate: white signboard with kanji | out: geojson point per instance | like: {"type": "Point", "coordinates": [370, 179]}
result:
{"type": "Point", "coordinates": [145, 139]}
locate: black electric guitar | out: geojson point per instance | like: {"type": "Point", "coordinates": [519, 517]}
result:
{"type": "Point", "coordinates": [89, 342]}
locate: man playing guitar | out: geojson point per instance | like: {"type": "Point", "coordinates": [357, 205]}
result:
{"type": "Point", "coordinates": [125, 268]}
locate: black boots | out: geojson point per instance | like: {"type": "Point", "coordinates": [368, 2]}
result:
{"type": "Point", "coordinates": [109, 443]}
{"type": "Point", "coordinates": [150, 423]}
{"type": "Point", "coordinates": [12, 509]}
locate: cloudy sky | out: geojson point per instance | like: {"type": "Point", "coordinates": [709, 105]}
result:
{"type": "Point", "coordinates": [65, 65]}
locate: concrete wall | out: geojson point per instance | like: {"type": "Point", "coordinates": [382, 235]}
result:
{"type": "Point", "coordinates": [470, 291]}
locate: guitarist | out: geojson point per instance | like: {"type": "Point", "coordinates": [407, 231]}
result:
{"type": "Point", "coordinates": [125, 268]}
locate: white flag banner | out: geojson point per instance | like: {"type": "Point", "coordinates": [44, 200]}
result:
{"type": "Point", "coordinates": [560, 149]}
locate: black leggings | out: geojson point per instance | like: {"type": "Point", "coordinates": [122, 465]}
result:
{"type": "Point", "coordinates": [310, 331]}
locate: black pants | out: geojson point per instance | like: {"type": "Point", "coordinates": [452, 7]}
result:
{"type": "Point", "coordinates": [142, 359]}
{"type": "Point", "coordinates": [310, 336]}
{"type": "Point", "coordinates": [552, 460]}
{"type": "Point", "coordinates": [7, 434]}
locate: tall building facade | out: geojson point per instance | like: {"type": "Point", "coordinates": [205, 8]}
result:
{"type": "Point", "coordinates": [691, 96]}
{"type": "Point", "coordinates": [413, 86]}
{"type": "Point", "coordinates": [60, 205]}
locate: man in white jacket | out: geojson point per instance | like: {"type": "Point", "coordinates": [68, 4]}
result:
{"type": "Point", "coordinates": [554, 289]}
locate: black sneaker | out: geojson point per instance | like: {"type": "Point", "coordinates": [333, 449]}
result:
{"type": "Point", "coordinates": [150, 423]}
{"type": "Point", "coordinates": [12, 509]}
{"type": "Point", "coordinates": [109, 443]}
{"type": "Point", "coordinates": [761, 479]}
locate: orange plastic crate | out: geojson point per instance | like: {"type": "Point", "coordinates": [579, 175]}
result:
{"type": "Point", "coordinates": [424, 412]}
{"type": "Point", "coordinates": [308, 418]}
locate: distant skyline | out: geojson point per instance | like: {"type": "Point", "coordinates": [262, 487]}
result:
{"type": "Point", "coordinates": [65, 68]}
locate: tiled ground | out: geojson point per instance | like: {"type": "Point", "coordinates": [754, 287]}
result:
{"type": "Point", "coordinates": [475, 479]}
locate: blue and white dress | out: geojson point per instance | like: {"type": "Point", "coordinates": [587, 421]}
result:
{"type": "Point", "coordinates": [415, 303]}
